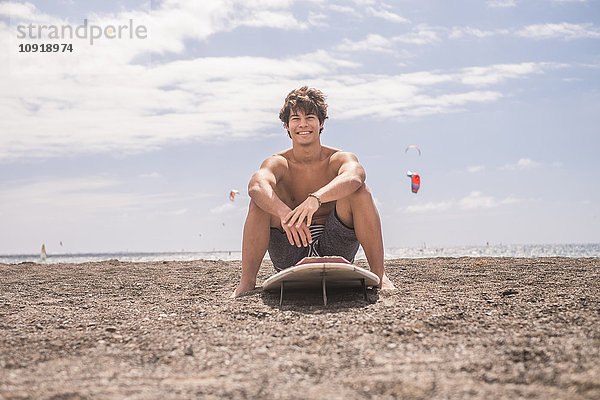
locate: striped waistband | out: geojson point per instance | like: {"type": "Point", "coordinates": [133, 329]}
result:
{"type": "Point", "coordinates": [315, 232]}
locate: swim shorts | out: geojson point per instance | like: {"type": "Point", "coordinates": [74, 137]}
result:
{"type": "Point", "coordinates": [332, 239]}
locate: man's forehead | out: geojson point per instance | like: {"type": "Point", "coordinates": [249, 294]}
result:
{"type": "Point", "coordinates": [299, 112]}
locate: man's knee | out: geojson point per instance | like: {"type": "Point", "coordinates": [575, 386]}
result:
{"type": "Point", "coordinates": [362, 195]}
{"type": "Point", "coordinates": [359, 201]}
{"type": "Point", "coordinates": [254, 211]}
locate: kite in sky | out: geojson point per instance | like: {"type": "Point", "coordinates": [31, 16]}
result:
{"type": "Point", "coordinates": [412, 146]}
{"type": "Point", "coordinates": [415, 181]}
{"type": "Point", "coordinates": [232, 194]}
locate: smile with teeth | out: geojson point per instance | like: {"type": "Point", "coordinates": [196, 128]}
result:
{"type": "Point", "coordinates": [304, 133]}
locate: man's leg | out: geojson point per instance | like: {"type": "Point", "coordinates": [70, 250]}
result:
{"type": "Point", "coordinates": [358, 211]}
{"type": "Point", "coordinates": [255, 242]}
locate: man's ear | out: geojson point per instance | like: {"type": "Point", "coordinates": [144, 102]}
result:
{"type": "Point", "coordinates": [287, 129]}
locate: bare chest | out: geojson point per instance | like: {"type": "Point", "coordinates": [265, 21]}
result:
{"type": "Point", "coordinates": [301, 179]}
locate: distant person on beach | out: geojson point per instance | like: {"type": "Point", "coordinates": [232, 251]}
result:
{"type": "Point", "coordinates": [310, 200]}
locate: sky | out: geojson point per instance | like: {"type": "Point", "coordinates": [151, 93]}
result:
{"type": "Point", "coordinates": [132, 142]}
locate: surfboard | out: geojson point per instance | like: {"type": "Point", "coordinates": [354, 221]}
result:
{"type": "Point", "coordinates": [322, 272]}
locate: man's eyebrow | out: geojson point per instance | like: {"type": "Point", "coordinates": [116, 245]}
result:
{"type": "Point", "coordinates": [308, 115]}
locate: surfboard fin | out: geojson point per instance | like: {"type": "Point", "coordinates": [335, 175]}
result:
{"type": "Point", "coordinates": [324, 290]}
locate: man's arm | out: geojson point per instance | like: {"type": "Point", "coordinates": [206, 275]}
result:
{"type": "Point", "coordinates": [261, 187]}
{"type": "Point", "coordinates": [350, 177]}
{"type": "Point", "coordinates": [261, 190]}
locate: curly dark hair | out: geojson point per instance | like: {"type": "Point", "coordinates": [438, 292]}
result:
{"type": "Point", "coordinates": [311, 101]}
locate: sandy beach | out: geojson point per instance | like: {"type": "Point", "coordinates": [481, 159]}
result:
{"type": "Point", "coordinates": [474, 328]}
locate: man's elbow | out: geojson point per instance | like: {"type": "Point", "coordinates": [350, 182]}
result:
{"type": "Point", "coordinates": [357, 182]}
{"type": "Point", "coordinates": [359, 176]}
{"type": "Point", "coordinates": [253, 189]}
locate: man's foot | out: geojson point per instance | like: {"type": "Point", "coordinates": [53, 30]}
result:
{"type": "Point", "coordinates": [242, 288]}
{"type": "Point", "coordinates": [386, 284]}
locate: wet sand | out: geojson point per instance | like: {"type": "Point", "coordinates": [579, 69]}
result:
{"type": "Point", "coordinates": [474, 328]}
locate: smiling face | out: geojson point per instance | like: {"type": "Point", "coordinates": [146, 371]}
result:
{"type": "Point", "coordinates": [303, 102]}
{"type": "Point", "coordinates": [304, 128]}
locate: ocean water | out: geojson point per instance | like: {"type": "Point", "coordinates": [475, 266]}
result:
{"type": "Point", "coordinates": [514, 250]}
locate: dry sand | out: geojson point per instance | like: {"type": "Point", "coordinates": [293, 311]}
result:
{"type": "Point", "coordinates": [474, 328]}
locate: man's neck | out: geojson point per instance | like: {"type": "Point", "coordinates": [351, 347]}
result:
{"type": "Point", "coordinates": [307, 153]}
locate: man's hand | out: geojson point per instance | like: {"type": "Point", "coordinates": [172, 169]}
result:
{"type": "Point", "coordinates": [304, 211]}
{"type": "Point", "coordinates": [298, 235]}
{"type": "Point", "coordinates": [296, 222]}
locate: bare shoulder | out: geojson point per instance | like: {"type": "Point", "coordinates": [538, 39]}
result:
{"type": "Point", "coordinates": [344, 161]}
{"type": "Point", "coordinates": [337, 156]}
{"type": "Point", "coordinates": [276, 164]}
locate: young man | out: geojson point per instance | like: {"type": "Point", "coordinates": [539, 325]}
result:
{"type": "Point", "coordinates": [310, 200]}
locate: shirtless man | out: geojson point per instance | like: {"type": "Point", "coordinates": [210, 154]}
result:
{"type": "Point", "coordinates": [309, 200]}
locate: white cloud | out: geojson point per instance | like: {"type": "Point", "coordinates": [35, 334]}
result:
{"type": "Point", "coordinates": [139, 109]}
{"type": "Point", "coordinates": [344, 9]}
{"type": "Point", "coordinates": [460, 32]}
{"type": "Point", "coordinates": [494, 74]}
{"type": "Point", "coordinates": [178, 212]}
{"type": "Point", "coordinates": [151, 175]}
{"type": "Point", "coordinates": [390, 97]}
{"type": "Point", "coordinates": [174, 22]}
{"type": "Point", "coordinates": [223, 208]}
{"type": "Point", "coordinates": [477, 200]}
{"type": "Point", "coordinates": [373, 42]}
{"type": "Point", "coordinates": [363, 3]}
{"type": "Point", "coordinates": [317, 19]}
{"type": "Point", "coordinates": [271, 19]}
{"type": "Point", "coordinates": [475, 168]}
{"type": "Point", "coordinates": [387, 15]}
{"type": "Point", "coordinates": [473, 201]}
{"type": "Point", "coordinates": [97, 101]}
{"type": "Point", "coordinates": [26, 11]}
{"type": "Point", "coordinates": [429, 207]}
{"type": "Point", "coordinates": [564, 30]}
{"type": "Point", "coordinates": [501, 3]}
{"type": "Point", "coordinates": [178, 20]}
{"type": "Point", "coordinates": [523, 163]}
{"type": "Point", "coordinates": [88, 194]}
{"type": "Point", "coordinates": [420, 35]}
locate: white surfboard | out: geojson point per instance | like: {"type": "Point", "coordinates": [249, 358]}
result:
{"type": "Point", "coordinates": [322, 272]}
